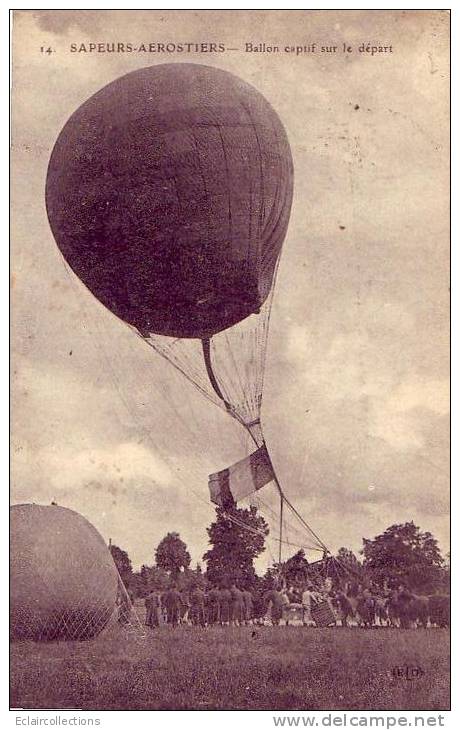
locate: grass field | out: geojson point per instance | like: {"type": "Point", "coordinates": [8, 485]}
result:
{"type": "Point", "coordinates": [227, 668]}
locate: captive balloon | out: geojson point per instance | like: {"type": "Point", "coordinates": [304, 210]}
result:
{"type": "Point", "coordinates": [168, 193]}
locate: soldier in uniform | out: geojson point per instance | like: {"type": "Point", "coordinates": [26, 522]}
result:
{"type": "Point", "coordinates": [273, 599]}
{"type": "Point", "coordinates": [153, 609]}
{"type": "Point", "coordinates": [196, 613]}
{"type": "Point", "coordinates": [184, 610]}
{"type": "Point", "coordinates": [237, 606]}
{"type": "Point", "coordinates": [172, 601]}
{"type": "Point", "coordinates": [308, 600]}
{"type": "Point", "coordinates": [225, 600]}
{"type": "Point", "coordinates": [213, 606]}
{"type": "Point", "coordinates": [248, 606]}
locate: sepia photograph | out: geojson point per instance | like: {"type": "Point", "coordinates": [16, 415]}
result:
{"type": "Point", "coordinates": [230, 361]}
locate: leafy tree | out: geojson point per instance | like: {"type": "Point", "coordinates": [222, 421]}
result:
{"type": "Point", "coordinates": [444, 582]}
{"type": "Point", "coordinates": [349, 565]}
{"type": "Point", "coordinates": [153, 578]}
{"type": "Point", "coordinates": [237, 538]}
{"type": "Point", "coordinates": [404, 554]}
{"type": "Point", "coordinates": [172, 554]}
{"type": "Point", "coordinates": [150, 578]}
{"type": "Point", "coordinates": [191, 578]}
{"type": "Point", "coordinates": [123, 563]}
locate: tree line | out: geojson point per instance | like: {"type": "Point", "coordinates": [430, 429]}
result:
{"type": "Point", "coordinates": [402, 554]}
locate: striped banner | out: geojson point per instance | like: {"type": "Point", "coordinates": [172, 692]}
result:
{"type": "Point", "coordinates": [241, 479]}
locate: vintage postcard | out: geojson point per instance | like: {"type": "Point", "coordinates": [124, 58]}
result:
{"type": "Point", "coordinates": [230, 361]}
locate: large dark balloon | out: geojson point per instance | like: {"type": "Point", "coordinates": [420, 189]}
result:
{"type": "Point", "coordinates": [63, 579]}
{"type": "Point", "coordinates": [169, 193]}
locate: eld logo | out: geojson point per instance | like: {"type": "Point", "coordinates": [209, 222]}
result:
{"type": "Point", "coordinates": [406, 672]}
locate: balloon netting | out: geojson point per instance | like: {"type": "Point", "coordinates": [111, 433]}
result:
{"type": "Point", "coordinates": [238, 361]}
{"type": "Point", "coordinates": [75, 621]}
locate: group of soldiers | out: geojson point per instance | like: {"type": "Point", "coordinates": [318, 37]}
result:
{"type": "Point", "coordinates": [199, 607]}
{"type": "Point", "coordinates": [232, 606]}
{"type": "Point", "coordinates": [310, 605]}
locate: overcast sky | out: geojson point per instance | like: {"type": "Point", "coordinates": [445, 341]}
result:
{"type": "Point", "coordinates": [356, 398]}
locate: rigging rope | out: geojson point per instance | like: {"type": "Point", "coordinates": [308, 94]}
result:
{"type": "Point", "coordinates": [183, 355]}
